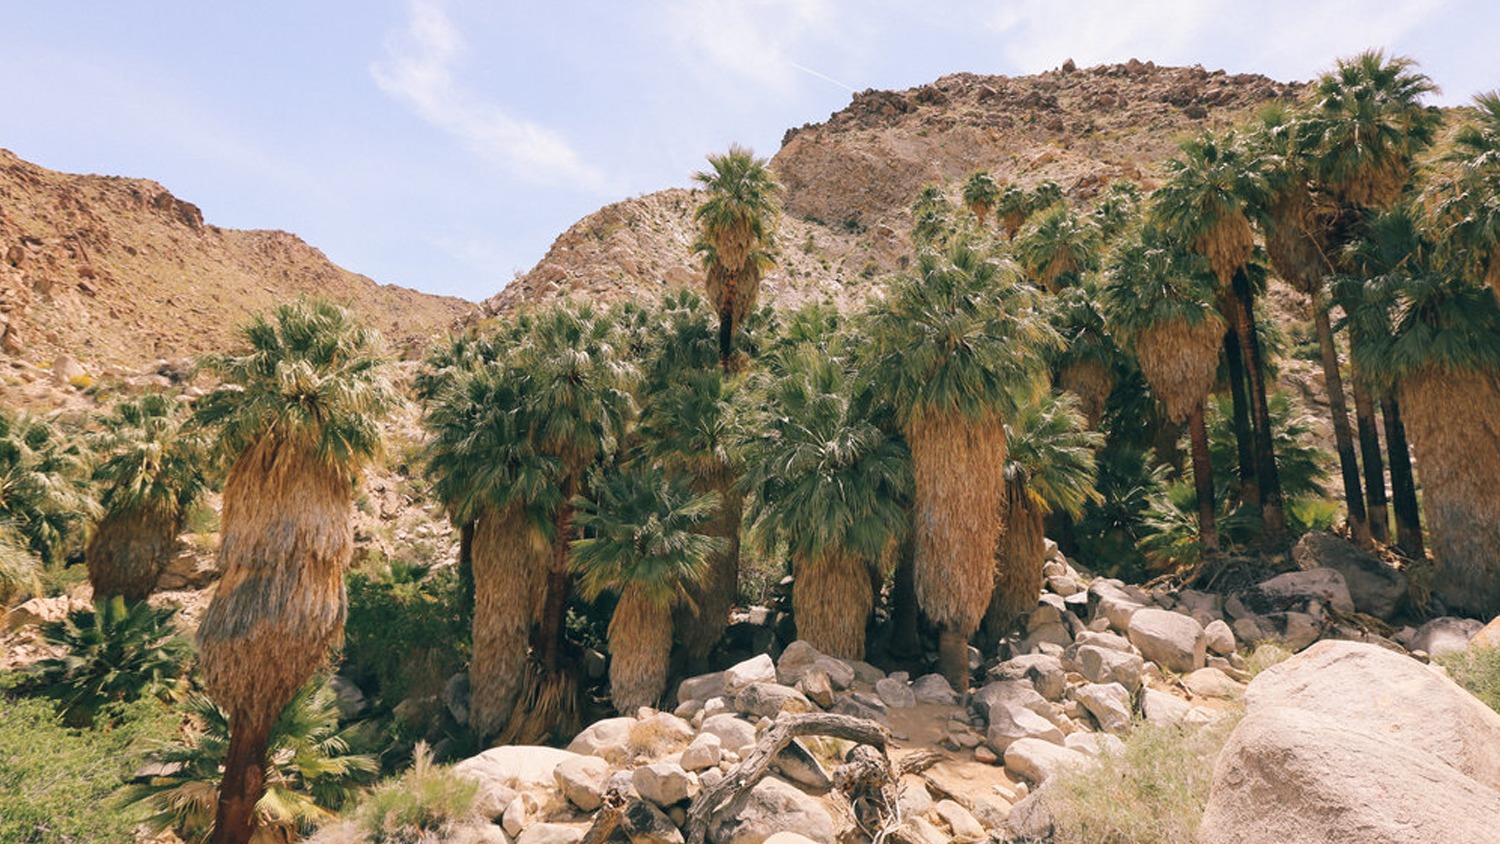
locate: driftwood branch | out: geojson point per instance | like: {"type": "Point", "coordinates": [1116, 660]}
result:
{"type": "Point", "coordinates": [754, 766]}
{"type": "Point", "coordinates": [607, 819]}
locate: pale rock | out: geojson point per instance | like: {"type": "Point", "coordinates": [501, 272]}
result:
{"type": "Point", "coordinates": [1043, 671]}
{"type": "Point", "coordinates": [704, 752]}
{"type": "Point", "coordinates": [784, 837]}
{"type": "Point", "coordinates": [1109, 703]}
{"type": "Point", "coordinates": [1036, 760]}
{"type": "Point", "coordinates": [1010, 723]}
{"type": "Point", "coordinates": [1488, 636]}
{"type": "Point", "coordinates": [757, 669]}
{"type": "Point", "coordinates": [663, 783]}
{"type": "Point", "coordinates": [771, 806]}
{"type": "Point", "coordinates": [984, 755]}
{"type": "Point", "coordinates": [895, 693]}
{"type": "Point", "coordinates": [710, 777]}
{"type": "Point", "coordinates": [1055, 634]}
{"type": "Point", "coordinates": [1174, 641]}
{"type": "Point", "coordinates": [471, 833]}
{"type": "Point", "coordinates": [913, 798]}
{"type": "Point", "coordinates": [1211, 682]}
{"type": "Point", "coordinates": [964, 825]}
{"type": "Point", "coordinates": [509, 770]}
{"type": "Point", "coordinates": [800, 658]}
{"type": "Point", "coordinates": [688, 709]}
{"type": "Point", "coordinates": [767, 700]}
{"type": "Point", "coordinates": [1094, 744]}
{"type": "Point", "coordinates": [713, 706]}
{"type": "Point", "coordinates": [609, 739]}
{"type": "Point", "coordinates": [517, 816]}
{"type": "Point", "coordinates": [1102, 665]}
{"type": "Point", "coordinates": [733, 731]}
{"type": "Point", "coordinates": [1220, 637]}
{"type": "Point", "coordinates": [816, 687]}
{"type": "Point", "coordinates": [925, 831]}
{"type": "Point", "coordinates": [1046, 612]}
{"type": "Point", "coordinates": [581, 781]}
{"type": "Point", "coordinates": [1115, 602]}
{"type": "Point", "coordinates": [1445, 635]}
{"type": "Point", "coordinates": [1163, 708]}
{"type": "Point", "coordinates": [552, 833]}
{"type": "Point", "coordinates": [934, 689]}
{"type": "Point", "coordinates": [702, 687]}
{"type": "Point", "coordinates": [1322, 584]}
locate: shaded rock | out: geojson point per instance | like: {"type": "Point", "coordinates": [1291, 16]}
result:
{"type": "Point", "coordinates": [895, 693]}
{"type": "Point", "coordinates": [1312, 761]}
{"type": "Point", "coordinates": [1323, 584]}
{"type": "Point", "coordinates": [646, 824]}
{"type": "Point", "coordinates": [771, 806]}
{"type": "Point", "coordinates": [1296, 630]}
{"type": "Point", "coordinates": [1375, 588]}
{"type": "Point", "coordinates": [861, 705]}
{"type": "Point", "coordinates": [1175, 642]}
{"type": "Point", "coordinates": [1445, 635]}
{"type": "Point", "coordinates": [702, 687]}
{"type": "Point", "coordinates": [1220, 637]}
{"type": "Point", "coordinates": [581, 781]}
{"type": "Point", "coordinates": [1044, 672]}
{"type": "Point", "coordinates": [1055, 633]}
{"type": "Point", "coordinates": [663, 783]}
{"type": "Point", "coordinates": [1109, 703]}
{"type": "Point", "coordinates": [798, 764]}
{"type": "Point", "coordinates": [935, 689]}
{"type": "Point", "coordinates": [767, 700]}
{"type": "Point", "coordinates": [800, 657]}
{"type": "Point", "coordinates": [816, 687]}
{"type": "Point", "coordinates": [964, 825]}
{"type": "Point", "coordinates": [1036, 760]}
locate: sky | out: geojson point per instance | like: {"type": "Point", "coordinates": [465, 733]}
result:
{"type": "Point", "coordinates": [443, 144]}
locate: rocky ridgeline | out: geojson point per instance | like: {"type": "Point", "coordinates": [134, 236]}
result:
{"type": "Point", "coordinates": [1094, 658]}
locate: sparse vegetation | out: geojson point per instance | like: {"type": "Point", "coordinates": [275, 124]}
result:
{"type": "Point", "coordinates": [1478, 670]}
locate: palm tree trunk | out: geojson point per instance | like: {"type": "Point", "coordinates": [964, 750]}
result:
{"type": "Point", "coordinates": [701, 622]}
{"type": "Point", "coordinates": [466, 572]}
{"type": "Point", "coordinates": [1018, 564]}
{"type": "Point", "coordinates": [1272, 512]}
{"type": "Point", "coordinates": [1403, 484]}
{"type": "Point", "coordinates": [555, 602]}
{"type": "Point", "coordinates": [1203, 482]}
{"type": "Point", "coordinates": [244, 781]}
{"type": "Point", "coordinates": [953, 658]}
{"type": "Point", "coordinates": [509, 558]}
{"type": "Point", "coordinates": [832, 600]}
{"type": "Point", "coordinates": [726, 337]}
{"type": "Point", "coordinates": [1338, 409]}
{"type": "Point", "coordinates": [1369, 447]}
{"type": "Point", "coordinates": [640, 644]}
{"type": "Point", "coordinates": [905, 621]}
{"type": "Point", "coordinates": [1244, 432]}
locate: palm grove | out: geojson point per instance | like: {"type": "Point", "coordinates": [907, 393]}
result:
{"type": "Point", "coordinates": [1099, 371]}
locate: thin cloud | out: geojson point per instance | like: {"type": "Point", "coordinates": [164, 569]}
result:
{"type": "Point", "coordinates": [418, 72]}
{"type": "Point", "coordinates": [750, 40]}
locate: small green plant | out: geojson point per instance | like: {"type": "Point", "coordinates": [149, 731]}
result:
{"type": "Point", "coordinates": [405, 633]}
{"type": "Point", "coordinates": [422, 803]}
{"type": "Point", "coordinates": [202, 519]}
{"type": "Point", "coordinates": [1265, 655]}
{"type": "Point", "coordinates": [113, 653]}
{"type": "Point", "coordinates": [310, 772]}
{"type": "Point", "coordinates": [1478, 670]}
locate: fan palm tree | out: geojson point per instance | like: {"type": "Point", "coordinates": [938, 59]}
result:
{"type": "Point", "coordinates": [1057, 246]}
{"type": "Point", "coordinates": [1086, 365]}
{"type": "Point", "coordinates": [19, 570]}
{"type": "Point", "coordinates": [43, 497]}
{"type": "Point", "coordinates": [1433, 336]}
{"type": "Point", "coordinates": [1160, 304]}
{"type": "Point", "coordinates": [957, 348]}
{"type": "Point", "coordinates": [643, 539]}
{"type": "Point", "coordinates": [1469, 204]}
{"type": "Point", "coordinates": [1012, 207]}
{"type": "Point", "coordinates": [296, 420]}
{"type": "Point", "coordinates": [1213, 192]}
{"type": "Point", "coordinates": [831, 488]}
{"type": "Point", "coordinates": [981, 193]}
{"type": "Point", "coordinates": [152, 475]}
{"type": "Point", "coordinates": [737, 235]}
{"type": "Point", "coordinates": [932, 217]}
{"type": "Point", "coordinates": [1050, 469]}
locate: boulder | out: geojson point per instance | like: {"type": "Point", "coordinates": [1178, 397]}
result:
{"type": "Point", "coordinates": [645, 824]}
{"type": "Point", "coordinates": [581, 781]}
{"type": "Point", "coordinates": [767, 700]}
{"type": "Point", "coordinates": [1220, 637]}
{"type": "Point", "coordinates": [1349, 742]}
{"type": "Point", "coordinates": [1163, 708]}
{"type": "Point", "coordinates": [895, 693]}
{"type": "Point", "coordinates": [1045, 673]}
{"type": "Point", "coordinates": [609, 739]}
{"type": "Point", "coordinates": [1375, 587]}
{"type": "Point", "coordinates": [552, 833]}
{"type": "Point", "coordinates": [796, 763]}
{"type": "Point", "coordinates": [1488, 636]}
{"type": "Point", "coordinates": [503, 772]}
{"type": "Point", "coordinates": [663, 783]}
{"type": "Point", "coordinates": [1211, 682]}
{"type": "Point", "coordinates": [771, 806]}
{"type": "Point", "coordinates": [1036, 760]}
{"type": "Point", "coordinates": [733, 731]}
{"type": "Point", "coordinates": [1109, 703]}
{"type": "Point", "coordinates": [1094, 744]}
{"type": "Point", "coordinates": [1102, 665]}
{"type": "Point", "coordinates": [964, 826]}
{"type": "Point", "coordinates": [704, 752]}
{"type": "Point", "coordinates": [702, 687]}
{"type": "Point", "coordinates": [1321, 584]}
{"type": "Point", "coordinates": [1011, 722]}
{"type": "Point", "coordinates": [1116, 602]}
{"type": "Point", "coordinates": [816, 687]}
{"type": "Point", "coordinates": [800, 657]}
{"type": "Point", "coordinates": [934, 689]}
{"type": "Point", "coordinates": [1174, 641]}
{"type": "Point", "coordinates": [1444, 635]}
{"type": "Point", "coordinates": [788, 838]}
{"type": "Point", "coordinates": [757, 669]}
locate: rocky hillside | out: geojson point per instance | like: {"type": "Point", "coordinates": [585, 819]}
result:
{"type": "Point", "coordinates": [119, 272]}
{"type": "Point", "coordinates": [850, 180]}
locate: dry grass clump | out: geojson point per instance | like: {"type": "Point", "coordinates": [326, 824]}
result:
{"type": "Point", "coordinates": [1478, 671]}
{"type": "Point", "coordinates": [423, 804]}
{"type": "Point", "coordinates": [1265, 655]}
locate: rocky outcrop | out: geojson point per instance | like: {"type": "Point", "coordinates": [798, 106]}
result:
{"type": "Point", "coordinates": [1349, 742]}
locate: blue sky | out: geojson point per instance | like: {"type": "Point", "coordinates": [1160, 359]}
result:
{"type": "Point", "coordinates": [443, 144]}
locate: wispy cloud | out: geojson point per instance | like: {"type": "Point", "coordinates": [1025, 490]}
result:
{"type": "Point", "coordinates": [418, 71]}
{"type": "Point", "coordinates": [752, 40]}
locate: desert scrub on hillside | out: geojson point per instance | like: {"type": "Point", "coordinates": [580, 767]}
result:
{"type": "Point", "coordinates": [1478, 670]}
{"type": "Point", "coordinates": [1152, 792]}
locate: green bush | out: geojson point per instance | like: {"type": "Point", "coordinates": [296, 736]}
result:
{"type": "Point", "coordinates": [423, 802]}
{"type": "Point", "coordinates": [1152, 793]}
{"type": "Point", "coordinates": [56, 781]}
{"type": "Point", "coordinates": [113, 653]}
{"type": "Point", "coordinates": [405, 634]}
{"type": "Point", "coordinates": [1478, 670]}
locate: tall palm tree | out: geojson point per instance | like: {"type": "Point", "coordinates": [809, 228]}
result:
{"type": "Point", "coordinates": [1160, 304]}
{"type": "Point", "coordinates": [957, 349]}
{"type": "Point", "coordinates": [1469, 203]}
{"type": "Point", "coordinates": [831, 488]}
{"type": "Point", "coordinates": [737, 235]}
{"type": "Point", "coordinates": [1213, 192]}
{"type": "Point", "coordinates": [643, 539]}
{"type": "Point", "coordinates": [1057, 246]}
{"type": "Point", "coordinates": [296, 420]}
{"type": "Point", "coordinates": [981, 193]}
{"type": "Point", "coordinates": [152, 475]}
{"type": "Point", "coordinates": [1050, 468]}
{"type": "Point", "coordinates": [1433, 336]}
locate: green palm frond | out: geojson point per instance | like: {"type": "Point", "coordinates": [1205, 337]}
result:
{"type": "Point", "coordinates": [44, 497]}
{"type": "Point", "coordinates": [148, 461]}
{"type": "Point", "coordinates": [1057, 246]}
{"type": "Point", "coordinates": [1050, 453]}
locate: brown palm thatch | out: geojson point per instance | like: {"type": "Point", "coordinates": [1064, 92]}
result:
{"type": "Point", "coordinates": [701, 619]}
{"type": "Point", "coordinates": [959, 470]}
{"type": "Point", "coordinates": [640, 642]}
{"type": "Point", "coordinates": [1227, 246]}
{"type": "Point", "coordinates": [1492, 272]}
{"type": "Point", "coordinates": [1181, 360]}
{"type": "Point", "coordinates": [510, 559]}
{"type": "Point", "coordinates": [832, 599]}
{"type": "Point", "coordinates": [1018, 560]}
{"type": "Point", "coordinates": [1091, 381]}
{"type": "Point", "coordinates": [129, 550]}
{"type": "Point", "coordinates": [1458, 464]}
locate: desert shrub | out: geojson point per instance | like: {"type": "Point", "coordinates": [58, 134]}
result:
{"type": "Point", "coordinates": [1478, 670]}
{"type": "Point", "coordinates": [113, 653]}
{"type": "Point", "coordinates": [405, 633]}
{"type": "Point", "coordinates": [1265, 655]}
{"type": "Point", "coordinates": [1151, 793]}
{"type": "Point", "coordinates": [56, 781]}
{"type": "Point", "coordinates": [423, 802]}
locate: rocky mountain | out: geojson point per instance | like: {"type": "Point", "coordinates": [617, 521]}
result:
{"type": "Point", "coordinates": [119, 272]}
{"type": "Point", "coordinates": [850, 180]}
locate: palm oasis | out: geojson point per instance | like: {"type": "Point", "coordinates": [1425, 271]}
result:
{"type": "Point", "coordinates": [963, 446]}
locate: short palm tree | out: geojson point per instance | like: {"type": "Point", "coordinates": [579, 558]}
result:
{"type": "Point", "coordinates": [1214, 191]}
{"type": "Point", "coordinates": [296, 420]}
{"type": "Point", "coordinates": [831, 488]}
{"type": "Point", "coordinates": [642, 538]}
{"type": "Point", "coordinates": [1086, 365]}
{"type": "Point", "coordinates": [981, 193]}
{"type": "Point", "coordinates": [1433, 336]}
{"type": "Point", "coordinates": [151, 474]}
{"type": "Point", "coordinates": [957, 348]}
{"type": "Point", "coordinates": [1161, 304]}
{"type": "Point", "coordinates": [1050, 468]}
{"type": "Point", "coordinates": [1012, 207]}
{"type": "Point", "coordinates": [43, 495]}
{"type": "Point", "coordinates": [737, 235]}
{"type": "Point", "coordinates": [1057, 246]}
{"type": "Point", "coordinates": [19, 570]}
{"type": "Point", "coordinates": [932, 217]}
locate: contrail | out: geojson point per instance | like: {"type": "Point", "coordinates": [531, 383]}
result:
{"type": "Point", "coordinates": [829, 79]}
